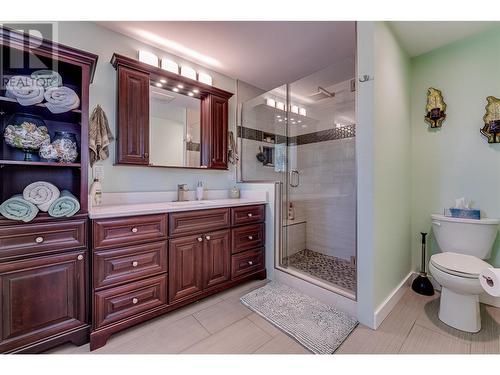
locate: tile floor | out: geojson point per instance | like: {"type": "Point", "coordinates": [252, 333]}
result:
{"type": "Point", "coordinates": [222, 325]}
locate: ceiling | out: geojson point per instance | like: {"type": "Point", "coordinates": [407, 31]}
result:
{"type": "Point", "coordinates": [264, 54]}
{"type": "Point", "coordinates": [418, 37]}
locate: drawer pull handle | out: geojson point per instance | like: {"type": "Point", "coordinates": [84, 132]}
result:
{"type": "Point", "coordinates": [208, 238]}
{"type": "Point", "coordinates": [134, 230]}
{"type": "Point", "coordinates": [200, 239]}
{"type": "Point", "coordinates": [39, 239]}
{"type": "Point", "coordinates": [250, 238]}
{"type": "Point", "coordinates": [249, 214]}
{"type": "Point", "coordinates": [250, 263]}
{"type": "Point", "coordinates": [135, 263]}
{"type": "Point", "coordinates": [134, 301]}
{"type": "Point", "coordinates": [79, 257]}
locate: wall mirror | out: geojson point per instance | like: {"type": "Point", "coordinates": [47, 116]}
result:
{"type": "Point", "coordinates": [174, 129]}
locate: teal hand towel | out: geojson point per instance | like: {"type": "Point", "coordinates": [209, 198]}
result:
{"type": "Point", "coordinates": [66, 205]}
{"type": "Point", "coordinates": [17, 208]}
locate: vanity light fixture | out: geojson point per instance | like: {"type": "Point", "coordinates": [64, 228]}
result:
{"type": "Point", "coordinates": [280, 106]}
{"type": "Point", "coordinates": [188, 72]}
{"type": "Point", "coordinates": [170, 66]}
{"type": "Point", "coordinates": [302, 112]}
{"type": "Point", "coordinates": [190, 93]}
{"type": "Point", "coordinates": [294, 109]}
{"type": "Point", "coordinates": [196, 91]}
{"type": "Point", "coordinates": [158, 84]}
{"type": "Point", "coordinates": [205, 78]}
{"type": "Point", "coordinates": [280, 120]}
{"type": "Point", "coordinates": [278, 116]}
{"type": "Point", "coordinates": [148, 58]}
{"type": "Point", "coordinates": [270, 102]}
{"type": "Point", "coordinates": [163, 80]}
{"type": "Point", "coordinates": [180, 86]}
{"type": "Point", "coordinates": [175, 89]}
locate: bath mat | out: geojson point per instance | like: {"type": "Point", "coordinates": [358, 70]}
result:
{"type": "Point", "coordinates": [317, 326]}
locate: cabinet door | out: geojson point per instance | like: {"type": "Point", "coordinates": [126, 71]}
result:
{"type": "Point", "coordinates": [216, 258]}
{"type": "Point", "coordinates": [41, 297]}
{"type": "Point", "coordinates": [214, 132]}
{"type": "Point", "coordinates": [133, 117]}
{"type": "Point", "coordinates": [185, 257]}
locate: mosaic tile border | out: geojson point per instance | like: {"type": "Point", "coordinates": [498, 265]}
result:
{"type": "Point", "coordinates": [348, 131]}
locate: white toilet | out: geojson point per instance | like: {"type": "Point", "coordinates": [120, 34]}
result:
{"type": "Point", "coordinates": [464, 243]}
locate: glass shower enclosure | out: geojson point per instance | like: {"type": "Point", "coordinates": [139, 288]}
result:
{"type": "Point", "coordinates": [302, 135]}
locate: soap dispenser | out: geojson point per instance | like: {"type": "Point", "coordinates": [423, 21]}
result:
{"type": "Point", "coordinates": [199, 191]}
{"type": "Point", "coordinates": [96, 193]}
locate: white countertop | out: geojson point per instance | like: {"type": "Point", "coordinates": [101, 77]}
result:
{"type": "Point", "coordinates": [122, 207]}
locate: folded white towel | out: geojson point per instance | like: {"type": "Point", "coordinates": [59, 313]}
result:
{"type": "Point", "coordinates": [24, 90]}
{"type": "Point", "coordinates": [61, 99]}
{"type": "Point", "coordinates": [42, 194]}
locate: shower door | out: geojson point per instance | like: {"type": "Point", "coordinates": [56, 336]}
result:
{"type": "Point", "coordinates": [319, 191]}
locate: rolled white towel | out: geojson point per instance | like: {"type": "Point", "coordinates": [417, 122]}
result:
{"type": "Point", "coordinates": [24, 90]}
{"type": "Point", "coordinates": [61, 99]}
{"type": "Point", "coordinates": [42, 194]}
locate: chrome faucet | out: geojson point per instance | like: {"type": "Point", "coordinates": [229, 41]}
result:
{"type": "Point", "coordinates": [182, 192]}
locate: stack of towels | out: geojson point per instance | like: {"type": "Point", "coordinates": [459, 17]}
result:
{"type": "Point", "coordinates": [43, 85]}
{"type": "Point", "coordinates": [40, 196]}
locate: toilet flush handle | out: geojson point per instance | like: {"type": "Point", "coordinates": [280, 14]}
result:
{"type": "Point", "coordinates": [437, 224]}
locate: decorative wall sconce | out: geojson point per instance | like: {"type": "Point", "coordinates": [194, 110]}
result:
{"type": "Point", "coordinates": [435, 108]}
{"type": "Point", "coordinates": [491, 129]}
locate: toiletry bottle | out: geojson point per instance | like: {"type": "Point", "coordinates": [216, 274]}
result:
{"type": "Point", "coordinates": [291, 211]}
{"type": "Point", "coordinates": [96, 193]}
{"type": "Point", "coordinates": [199, 191]}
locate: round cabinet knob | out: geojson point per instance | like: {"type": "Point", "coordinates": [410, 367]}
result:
{"type": "Point", "coordinates": [249, 214]}
{"type": "Point", "coordinates": [39, 239]}
{"type": "Point", "coordinates": [250, 238]}
{"type": "Point", "coordinates": [79, 257]}
{"type": "Point", "coordinates": [250, 262]}
{"type": "Point", "coordinates": [134, 230]}
{"type": "Point", "coordinates": [200, 239]}
{"type": "Point", "coordinates": [134, 301]}
{"type": "Point", "coordinates": [135, 263]}
{"type": "Point", "coordinates": [208, 238]}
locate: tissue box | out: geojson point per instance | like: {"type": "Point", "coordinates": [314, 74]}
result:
{"type": "Point", "coordinates": [463, 213]}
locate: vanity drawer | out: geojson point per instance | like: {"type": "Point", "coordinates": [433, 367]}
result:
{"type": "Point", "coordinates": [40, 238]}
{"type": "Point", "coordinates": [129, 263]}
{"type": "Point", "coordinates": [114, 304]}
{"type": "Point", "coordinates": [247, 237]}
{"type": "Point", "coordinates": [247, 262]}
{"type": "Point", "coordinates": [201, 221]}
{"type": "Point", "coordinates": [248, 215]}
{"type": "Point", "coordinates": [129, 230]}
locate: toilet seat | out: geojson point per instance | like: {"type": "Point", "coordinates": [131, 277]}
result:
{"type": "Point", "coordinates": [461, 265]}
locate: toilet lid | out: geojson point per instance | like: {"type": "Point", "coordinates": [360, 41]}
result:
{"type": "Point", "coordinates": [461, 264]}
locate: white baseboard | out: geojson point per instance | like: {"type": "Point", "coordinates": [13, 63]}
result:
{"type": "Point", "coordinates": [483, 298]}
{"type": "Point", "coordinates": [386, 307]}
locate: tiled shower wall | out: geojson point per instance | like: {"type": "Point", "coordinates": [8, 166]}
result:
{"type": "Point", "coordinates": [326, 197]}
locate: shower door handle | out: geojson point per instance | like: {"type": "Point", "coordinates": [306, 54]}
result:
{"type": "Point", "coordinates": [294, 172]}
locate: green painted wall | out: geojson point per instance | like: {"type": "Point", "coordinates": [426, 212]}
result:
{"type": "Point", "coordinates": [391, 197]}
{"type": "Point", "coordinates": [456, 160]}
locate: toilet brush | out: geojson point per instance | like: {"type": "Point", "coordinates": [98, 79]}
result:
{"type": "Point", "coordinates": [422, 284]}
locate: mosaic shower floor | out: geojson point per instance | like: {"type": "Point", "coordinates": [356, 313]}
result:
{"type": "Point", "coordinates": [334, 270]}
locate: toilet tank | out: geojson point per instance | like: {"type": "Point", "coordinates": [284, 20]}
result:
{"type": "Point", "coordinates": [465, 236]}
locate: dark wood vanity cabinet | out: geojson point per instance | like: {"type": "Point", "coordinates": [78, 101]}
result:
{"type": "Point", "coordinates": [137, 277]}
{"type": "Point", "coordinates": [133, 109]}
{"type": "Point", "coordinates": [44, 283]}
{"type": "Point", "coordinates": [42, 298]}
{"type": "Point", "coordinates": [133, 117]}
